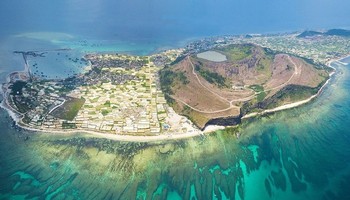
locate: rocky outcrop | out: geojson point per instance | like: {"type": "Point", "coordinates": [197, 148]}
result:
{"type": "Point", "coordinates": [225, 121]}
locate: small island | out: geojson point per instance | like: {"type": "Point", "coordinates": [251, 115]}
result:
{"type": "Point", "coordinates": [176, 93]}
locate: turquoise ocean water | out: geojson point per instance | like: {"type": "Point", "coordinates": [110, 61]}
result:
{"type": "Point", "coordinates": [302, 153]}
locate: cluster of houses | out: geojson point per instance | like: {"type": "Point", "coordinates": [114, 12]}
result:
{"type": "Point", "coordinates": [37, 101]}
{"type": "Point", "coordinates": [320, 48]}
{"type": "Point", "coordinates": [117, 60]}
{"type": "Point", "coordinates": [120, 100]}
{"type": "Point", "coordinates": [135, 106]}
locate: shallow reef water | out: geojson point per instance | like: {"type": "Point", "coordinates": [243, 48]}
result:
{"type": "Point", "coordinates": [300, 153]}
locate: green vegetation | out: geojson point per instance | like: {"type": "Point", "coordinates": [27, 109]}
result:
{"type": "Point", "coordinates": [186, 109]}
{"type": "Point", "coordinates": [92, 113]}
{"type": "Point", "coordinates": [197, 118]}
{"type": "Point", "coordinates": [264, 64]}
{"type": "Point", "coordinates": [315, 64]}
{"type": "Point", "coordinates": [227, 133]}
{"type": "Point", "coordinates": [94, 100]}
{"type": "Point", "coordinates": [168, 79]}
{"type": "Point", "coordinates": [332, 32]}
{"type": "Point", "coordinates": [105, 112]}
{"type": "Point", "coordinates": [290, 93]}
{"type": "Point", "coordinates": [66, 125]}
{"type": "Point", "coordinates": [23, 107]}
{"type": "Point", "coordinates": [261, 96]}
{"type": "Point", "coordinates": [69, 109]}
{"type": "Point", "coordinates": [182, 77]}
{"type": "Point", "coordinates": [107, 104]}
{"type": "Point", "coordinates": [16, 88]}
{"type": "Point", "coordinates": [26, 119]}
{"type": "Point", "coordinates": [169, 100]}
{"type": "Point", "coordinates": [97, 70]}
{"type": "Point", "coordinates": [88, 106]}
{"type": "Point", "coordinates": [161, 112]}
{"type": "Point", "coordinates": [338, 32]}
{"type": "Point", "coordinates": [177, 60]}
{"type": "Point", "coordinates": [259, 89]}
{"type": "Point", "coordinates": [211, 77]}
{"type": "Point", "coordinates": [65, 89]}
{"type": "Point", "coordinates": [295, 92]}
{"type": "Point", "coordinates": [270, 53]}
{"type": "Point", "coordinates": [22, 104]}
{"type": "Point", "coordinates": [309, 33]}
{"type": "Point", "coordinates": [237, 52]}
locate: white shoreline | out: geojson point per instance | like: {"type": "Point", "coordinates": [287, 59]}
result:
{"type": "Point", "coordinates": [129, 138]}
{"type": "Point", "coordinates": [299, 103]}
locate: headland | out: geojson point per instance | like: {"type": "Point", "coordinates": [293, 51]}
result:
{"type": "Point", "coordinates": [174, 94]}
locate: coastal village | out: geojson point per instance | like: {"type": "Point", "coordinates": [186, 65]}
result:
{"type": "Point", "coordinates": [117, 94]}
{"type": "Point", "coordinates": [121, 94]}
{"type": "Point", "coordinates": [319, 48]}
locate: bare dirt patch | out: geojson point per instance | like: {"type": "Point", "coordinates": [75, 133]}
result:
{"type": "Point", "coordinates": [247, 79]}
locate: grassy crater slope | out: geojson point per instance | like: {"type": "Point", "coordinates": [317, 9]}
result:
{"type": "Point", "coordinates": [251, 79]}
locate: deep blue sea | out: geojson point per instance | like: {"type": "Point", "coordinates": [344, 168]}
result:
{"type": "Point", "coordinates": [143, 27]}
{"type": "Point", "coordinates": [302, 153]}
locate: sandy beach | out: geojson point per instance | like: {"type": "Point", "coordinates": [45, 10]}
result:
{"type": "Point", "coordinates": [299, 103]}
